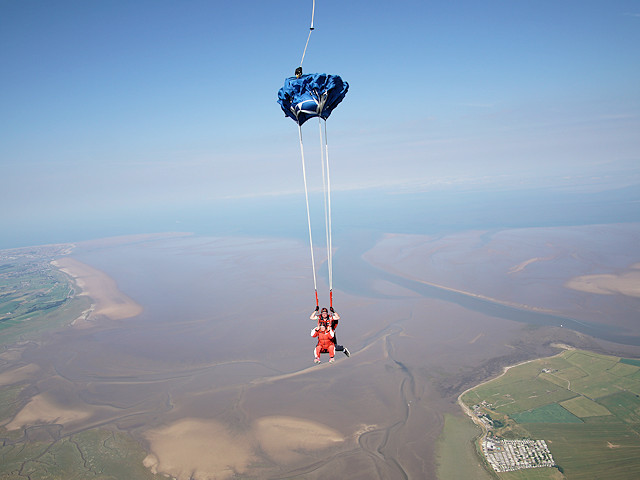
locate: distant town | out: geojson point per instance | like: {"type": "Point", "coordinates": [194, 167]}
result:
{"type": "Point", "coordinates": [509, 455]}
{"type": "Point", "coordinates": [36, 252]}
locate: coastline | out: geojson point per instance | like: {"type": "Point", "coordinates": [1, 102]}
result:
{"type": "Point", "coordinates": [107, 299]}
{"type": "Point", "coordinates": [466, 409]}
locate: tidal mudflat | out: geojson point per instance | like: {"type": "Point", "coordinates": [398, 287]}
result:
{"type": "Point", "coordinates": [213, 376]}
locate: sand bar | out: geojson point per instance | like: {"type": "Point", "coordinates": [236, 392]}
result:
{"type": "Point", "coordinates": [107, 298]}
{"type": "Point", "coordinates": [19, 374]}
{"type": "Point", "coordinates": [197, 449]}
{"type": "Point", "coordinates": [40, 410]}
{"type": "Point", "coordinates": [203, 449]}
{"type": "Point", "coordinates": [623, 283]}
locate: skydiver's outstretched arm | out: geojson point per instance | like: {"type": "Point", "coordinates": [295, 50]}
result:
{"type": "Point", "coordinates": [314, 315]}
{"type": "Point", "coordinates": [335, 315]}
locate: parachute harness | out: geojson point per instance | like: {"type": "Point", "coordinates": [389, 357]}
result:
{"type": "Point", "coordinates": [303, 97]}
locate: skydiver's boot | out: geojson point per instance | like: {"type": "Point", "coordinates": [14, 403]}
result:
{"type": "Point", "coordinates": [316, 360]}
{"type": "Point", "coordinates": [331, 360]}
{"type": "Point", "coordinates": [345, 350]}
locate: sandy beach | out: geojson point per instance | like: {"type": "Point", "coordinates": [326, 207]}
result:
{"type": "Point", "coordinates": [107, 299]}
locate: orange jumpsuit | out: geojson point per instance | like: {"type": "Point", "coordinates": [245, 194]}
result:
{"type": "Point", "coordinates": [325, 342]}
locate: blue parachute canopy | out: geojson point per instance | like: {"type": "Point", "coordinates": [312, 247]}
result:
{"type": "Point", "coordinates": [311, 95]}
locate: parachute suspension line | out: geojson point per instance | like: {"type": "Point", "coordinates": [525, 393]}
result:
{"type": "Point", "coordinates": [324, 198]}
{"type": "Point", "coordinates": [326, 184]}
{"type": "Point", "coordinates": [306, 196]}
{"type": "Point", "coordinates": [327, 197]}
{"type": "Point", "coordinates": [326, 156]}
{"type": "Point", "coordinates": [313, 12]}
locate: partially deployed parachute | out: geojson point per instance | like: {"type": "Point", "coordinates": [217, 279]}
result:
{"type": "Point", "coordinates": [312, 95]}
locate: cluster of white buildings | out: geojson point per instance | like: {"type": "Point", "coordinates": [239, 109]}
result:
{"type": "Point", "coordinates": [509, 455]}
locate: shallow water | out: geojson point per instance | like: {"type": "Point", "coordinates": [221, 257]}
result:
{"type": "Point", "coordinates": [358, 277]}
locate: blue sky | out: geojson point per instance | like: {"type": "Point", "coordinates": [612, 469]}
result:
{"type": "Point", "coordinates": [114, 106]}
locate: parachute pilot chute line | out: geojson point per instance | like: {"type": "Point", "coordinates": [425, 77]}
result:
{"type": "Point", "coordinates": [313, 13]}
{"type": "Point", "coordinates": [303, 97]}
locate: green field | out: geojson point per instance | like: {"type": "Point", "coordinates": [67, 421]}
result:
{"type": "Point", "coordinates": [551, 413]}
{"type": "Point", "coordinates": [583, 407]}
{"type": "Point", "coordinates": [586, 407]}
{"type": "Point", "coordinates": [630, 361]}
{"type": "Point", "coordinates": [592, 450]}
{"type": "Point", "coordinates": [624, 405]}
{"type": "Point", "coordinates": [34, 295]}
{"type": "Point", "coordinates": [546, 473]}
{"type": "Point", "coordinates": [29, 287]}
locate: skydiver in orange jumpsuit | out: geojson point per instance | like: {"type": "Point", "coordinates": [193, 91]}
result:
{"type": "Point", "coordinates": [325, 341]}
{"type": "Point", "coordinates": [331, 319]}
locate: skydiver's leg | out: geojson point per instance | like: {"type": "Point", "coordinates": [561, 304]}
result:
{"type": "Point", "coordinates": [331, 353]}
{"type": "Point", "coordinates": [316, 354]}
{"type": "Point", "coordinates": [340, 348]}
